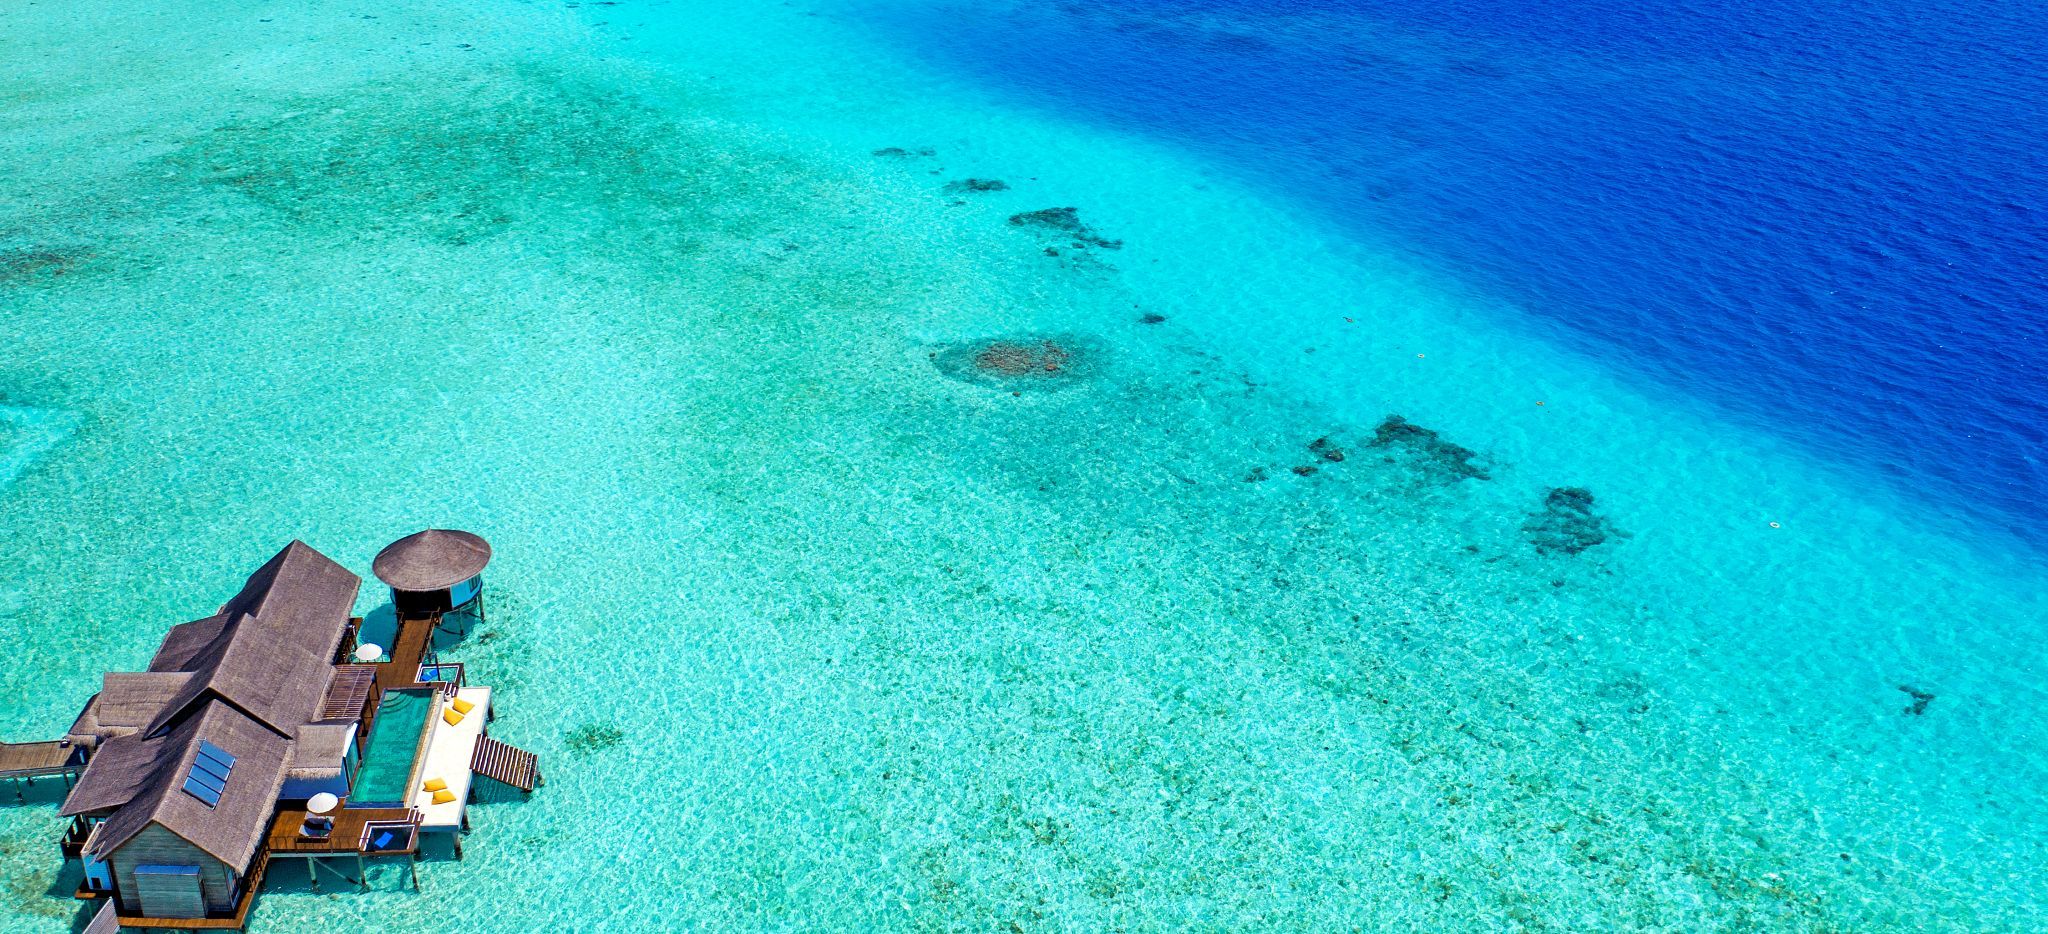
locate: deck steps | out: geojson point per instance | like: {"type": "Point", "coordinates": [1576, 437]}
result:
{"type": "Point", "coordinates": [506, 763]}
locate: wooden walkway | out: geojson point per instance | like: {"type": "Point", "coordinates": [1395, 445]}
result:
{"type": "Point", "coordinates": [506, 763]}
{"type": "Point", "coordinates": [26, 762]}
{"type": "Point", "coordinates": [412, 646]}
{"type": "Point", "coordinates": [35, 760]}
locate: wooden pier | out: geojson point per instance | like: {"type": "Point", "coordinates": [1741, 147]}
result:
{"type": "Point", "coordinates": [26, 762]}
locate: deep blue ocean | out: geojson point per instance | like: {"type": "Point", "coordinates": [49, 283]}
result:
{"type": "Point", "coordinates": [1828, 220]}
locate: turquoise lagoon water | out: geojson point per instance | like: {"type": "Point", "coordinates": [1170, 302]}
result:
{"type": "Point", "coordinates": [628, 291]}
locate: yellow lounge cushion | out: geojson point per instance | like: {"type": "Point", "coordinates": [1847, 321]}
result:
{"type": "Point", "coordinates": [451, 717]}
{"type": "Point", "coordinates": [443, 796]}
{"type": "Point", "coordinates": [462, 706]}
{"type": "Point", "coordinates": [435, 784]}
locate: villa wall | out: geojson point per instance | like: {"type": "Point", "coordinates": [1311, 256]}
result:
{"type": "Point", "coordinates": [155, 846]}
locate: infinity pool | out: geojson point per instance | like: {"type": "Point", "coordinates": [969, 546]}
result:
{"type": "Point", "coordinates": [394, 746]}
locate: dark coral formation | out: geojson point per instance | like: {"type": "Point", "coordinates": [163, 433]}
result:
{"type": "Point", "coordinates": [508, 149]}
{"type": "Point", "coordinates": [1920, 700]}
{"type": "Point", "coordinates": [898, 152]}
{"type": "Point", "coordinates": [1568, 525]}
{"type": "Point", "coordinates": [594, 737]}
{"type": "Point", "coordinates": [21, 264]}
{"type": "Point", "coordinates": [1067, 222]}
{"type": "Point", "coordinates": [1628, 692]}
{"type": "Point", "coordinates": [1015, 363]}
{"type": "Point", "coordinates": [1452, 462]}
{"type": "Point", "coordinates": [1327, 450]}
{"type": "Point", "coordinates": [976, 185]}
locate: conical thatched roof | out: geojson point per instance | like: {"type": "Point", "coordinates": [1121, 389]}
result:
{"type": "Point", "coordinates": [435, 559]}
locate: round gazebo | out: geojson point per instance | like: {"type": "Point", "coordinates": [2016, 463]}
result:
{"type": "Point", "coordinates": [435, 571]}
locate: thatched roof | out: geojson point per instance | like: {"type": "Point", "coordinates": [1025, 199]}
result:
{"type": "Point", "coordinates": [141, 777]}
{"type": "Point", "coordinates": [318, 750]}
{"type": "Point", "coordinates": [127, 702]}
{"type": "Point", "coordinates": [249, 680]}
{"type": "Point", "coordinates": [131, 699]}
{"type": "Point", "coordinates": [117, 772]}
{"type": "Point", "coordinates": [275, 654]}
{"type": "Point", "coordinates": [186, 642]}
{"type": "Point", "coordinates": [435, 559]}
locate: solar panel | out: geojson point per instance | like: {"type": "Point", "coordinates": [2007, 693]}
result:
{"type": "Point", "coordinates": [209, 775]}
{"type": "Point", "coordinates": [215, 782]}
{"type": "Point", "coordinates": [207, 795]}
{"type": "Point", "coordinates": [201, 766]}
{"type": "Point", "coordinates": [218, 755]}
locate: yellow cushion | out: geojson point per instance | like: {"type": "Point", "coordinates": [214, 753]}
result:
{"type": "Point", "coordinates": [443, 796]}
{"type": "Point", "coordinates": [462, 705]}
{"type": "Point", "coordinates": [451, 717]}
{"type": "Point", "coordinates": [435, 784]}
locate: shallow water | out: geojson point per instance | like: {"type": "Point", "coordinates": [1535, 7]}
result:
{"type": "Point", "coordinates": [668, 302]}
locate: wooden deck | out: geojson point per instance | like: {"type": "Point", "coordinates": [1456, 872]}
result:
{"type": "Point", "coordinates": [412, 646]}
{"type": "Point", "coordinates": [347, 838]}
{"type": "Point", "coordinates": [506, 763]}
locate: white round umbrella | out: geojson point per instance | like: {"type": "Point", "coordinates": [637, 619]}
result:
{"type": "Point", "coordinates": [368, 652]}
{"type": "Point", "coordinates": [321, 803]}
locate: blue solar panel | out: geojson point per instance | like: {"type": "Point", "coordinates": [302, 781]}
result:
{"type": "Point", "coordinates": [215, 782]}
{"type": "Point", "coordinates": [208, 751]}
{"type": "Point", "coordinates": [208, 796]}
{"type": "Point", "coordinates": [209, 775]}
{"type": "Point", "coordinates": [201, 766]}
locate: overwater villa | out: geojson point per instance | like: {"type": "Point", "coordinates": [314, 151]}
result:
{"type": "Point", "coordinates": [270, 730]}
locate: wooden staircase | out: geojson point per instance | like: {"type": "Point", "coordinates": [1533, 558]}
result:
{"type": "Point", "coordinates": [506, 763]}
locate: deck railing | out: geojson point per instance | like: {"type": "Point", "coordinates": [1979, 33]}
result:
{"type": "Point", "coordinates": [347, 651]}
{"type": "Point", "coordinates": [409, 826]}
{"type": "Point", "coordinates": [445, 675]}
